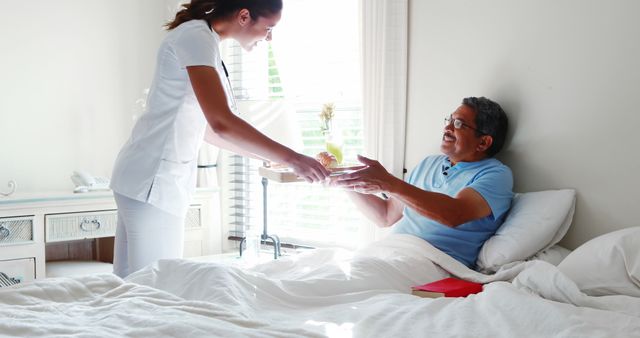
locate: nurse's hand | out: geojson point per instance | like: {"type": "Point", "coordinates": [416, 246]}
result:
{"type": "Point", "coordinates": [308, 168]}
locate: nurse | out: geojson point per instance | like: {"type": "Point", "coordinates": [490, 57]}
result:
{"type": "Point", "coordinates": [190, 99]}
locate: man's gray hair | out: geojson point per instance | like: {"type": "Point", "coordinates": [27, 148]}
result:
{"type": "Point", "coordinates": [490, 120]}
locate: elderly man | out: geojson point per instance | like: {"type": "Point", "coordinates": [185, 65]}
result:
{"type": "Point", "coordinates": [455, 201]}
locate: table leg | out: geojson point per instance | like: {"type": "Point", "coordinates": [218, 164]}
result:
{"type": "Point", "coordinates": [244, 239]}
{"type": "Point", "coordinates": [265, 234]}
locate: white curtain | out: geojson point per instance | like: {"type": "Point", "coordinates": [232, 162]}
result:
{"type": "Point", "coordinates": [384, 79]}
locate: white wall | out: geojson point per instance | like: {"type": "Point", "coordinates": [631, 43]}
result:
{"type": "Point", "coordinates": [70, 73]}
{"type": "Point", "coordinates": [568, 75]}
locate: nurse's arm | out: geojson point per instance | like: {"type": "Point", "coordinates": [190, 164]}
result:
{"type": "Point", "coordinates": [234, 130]}
{"type": "Point", "coordinates": [213, 139]}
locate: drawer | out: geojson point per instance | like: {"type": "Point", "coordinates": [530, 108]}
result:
{"type": "Point", "coordinates": [84, 225]}
{"type": "Point", "coordinates": [16, 230]}
{"type": "Point", "coordinates": [17, 270]}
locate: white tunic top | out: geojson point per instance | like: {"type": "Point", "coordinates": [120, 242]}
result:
{"type": "Point", "coordinates": [158, 164]}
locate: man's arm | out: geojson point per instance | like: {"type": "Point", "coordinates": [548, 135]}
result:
{"type": "Point", "coordinates": [383, 213]}
{"type": "Point", "coordinates": [450, 211]}
{"type": "Point", "coordinates": [466, 206]}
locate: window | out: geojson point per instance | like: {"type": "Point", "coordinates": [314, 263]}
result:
{"type": "Point", "coordinates": [312, 61]}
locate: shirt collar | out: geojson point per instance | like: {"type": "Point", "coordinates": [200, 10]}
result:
{"type": "Point", "coordinates": [461, 165]}
{"type": "Point", "coordinates": [216, 37]}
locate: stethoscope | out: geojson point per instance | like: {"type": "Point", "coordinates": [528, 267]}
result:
{"type": "Point", "coordinates": [233, 105]}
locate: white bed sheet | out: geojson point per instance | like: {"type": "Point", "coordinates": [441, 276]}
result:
{"type": "Point", "coordinates": [325, 292]}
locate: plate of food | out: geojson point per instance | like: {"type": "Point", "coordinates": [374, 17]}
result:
{"type": "Point", "coordinates": [281, 173]}
{"type": "Point", "coordinates": [329, 161]}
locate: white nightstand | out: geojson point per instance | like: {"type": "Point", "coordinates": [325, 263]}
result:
{"type": "Point", "coordinates": [71, 230]}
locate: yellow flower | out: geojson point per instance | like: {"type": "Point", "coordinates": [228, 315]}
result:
{"type": "Point", "coordinates": [327, 112]}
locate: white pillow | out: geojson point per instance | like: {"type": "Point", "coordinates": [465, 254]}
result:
{"type": "Point", "coordinates": [536, 222]}
{"type": "Point", "coordinates": [554, 255]}
{"type": "Point", "coordinates": [607, 265]}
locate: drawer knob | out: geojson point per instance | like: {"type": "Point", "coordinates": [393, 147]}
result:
{"type": "Point", "coordinates": [90, 225]}
{"type": "Point", "coordinates": [4, 232]}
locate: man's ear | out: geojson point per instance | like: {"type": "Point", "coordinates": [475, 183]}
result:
{"type": "Point", "coordinates": [244, 17]}
{"type": "Point", "coordinates": [485, 143]}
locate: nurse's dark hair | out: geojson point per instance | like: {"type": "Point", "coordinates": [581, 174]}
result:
{"type": "Point", "coordinates": [210, 10]}
{"type": "Point", "coordinates": [490, 120]}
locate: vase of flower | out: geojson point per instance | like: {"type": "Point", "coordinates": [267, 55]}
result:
{"type": "Point", "coordinates": [333, 141]}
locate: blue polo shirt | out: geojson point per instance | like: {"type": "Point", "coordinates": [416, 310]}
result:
{"type": "Point", "coordinates": [489, 177]}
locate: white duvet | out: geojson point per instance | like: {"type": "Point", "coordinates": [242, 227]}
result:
{"type": "Point", "coordinates": [325, 292]}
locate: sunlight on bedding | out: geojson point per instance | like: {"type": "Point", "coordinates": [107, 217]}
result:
{"type": "Point", "coordinates": [345, 267]}
{"type": "Point", "coordinates": [198, 298]}
{"type": "Point", "coordinates": [334, 330]}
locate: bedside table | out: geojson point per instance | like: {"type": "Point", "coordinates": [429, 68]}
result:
{"type": "Point", "coordinates": [267, 173]}
{"type": "Point", "coordinates": [76, 231]}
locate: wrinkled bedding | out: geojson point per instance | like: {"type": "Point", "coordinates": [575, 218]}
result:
{"type": "Point", "coordinates": [324, 292]}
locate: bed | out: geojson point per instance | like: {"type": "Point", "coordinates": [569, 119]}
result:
{"type": "Point", "coordinates": [324, 292]}
{"type": "Point", "coordinates": [340, 293]}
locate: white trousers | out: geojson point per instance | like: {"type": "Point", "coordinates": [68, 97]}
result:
{"type": "Point", "coordinates": [144, 234]}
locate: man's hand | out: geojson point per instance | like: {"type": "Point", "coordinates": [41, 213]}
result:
{"type": "Point", "coordinates": [373, 179]}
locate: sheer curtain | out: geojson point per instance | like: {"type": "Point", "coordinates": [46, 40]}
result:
{"type": "Point", "coordinates": [317, 51]}
{"type": "Point", "coordinates": [384, 80]}
{"type": "Point", "coordinates": [378, 86]}
{"type": "Point", "coordinates": [384, 41]}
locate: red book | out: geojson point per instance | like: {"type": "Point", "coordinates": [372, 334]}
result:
{"type": "Point", "coordinates": [448, 287]}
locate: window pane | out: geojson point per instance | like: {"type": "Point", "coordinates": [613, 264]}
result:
{"type": "Point", "coordinates": [308, 67]}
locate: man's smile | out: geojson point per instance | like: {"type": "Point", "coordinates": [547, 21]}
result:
{"type": "Point", "coordinates": [448, 137]}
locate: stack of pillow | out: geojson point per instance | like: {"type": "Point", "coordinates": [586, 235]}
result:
{"type": "Point", "coordinates": [607, 265]}
{"type": "Point", "coordinates": [537, 221]}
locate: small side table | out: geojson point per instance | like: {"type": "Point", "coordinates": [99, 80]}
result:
{"type": "Point", "coordinates": [279, 175]}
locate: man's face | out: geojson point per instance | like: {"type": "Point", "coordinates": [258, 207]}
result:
{"type": "Point", "coordinates": [463, 145]}
{"type": "Point", "coordinates": [256, 31]}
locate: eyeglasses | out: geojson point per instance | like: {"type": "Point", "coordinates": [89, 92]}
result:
{"type": "Point", "coordinates": [458, 124]}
